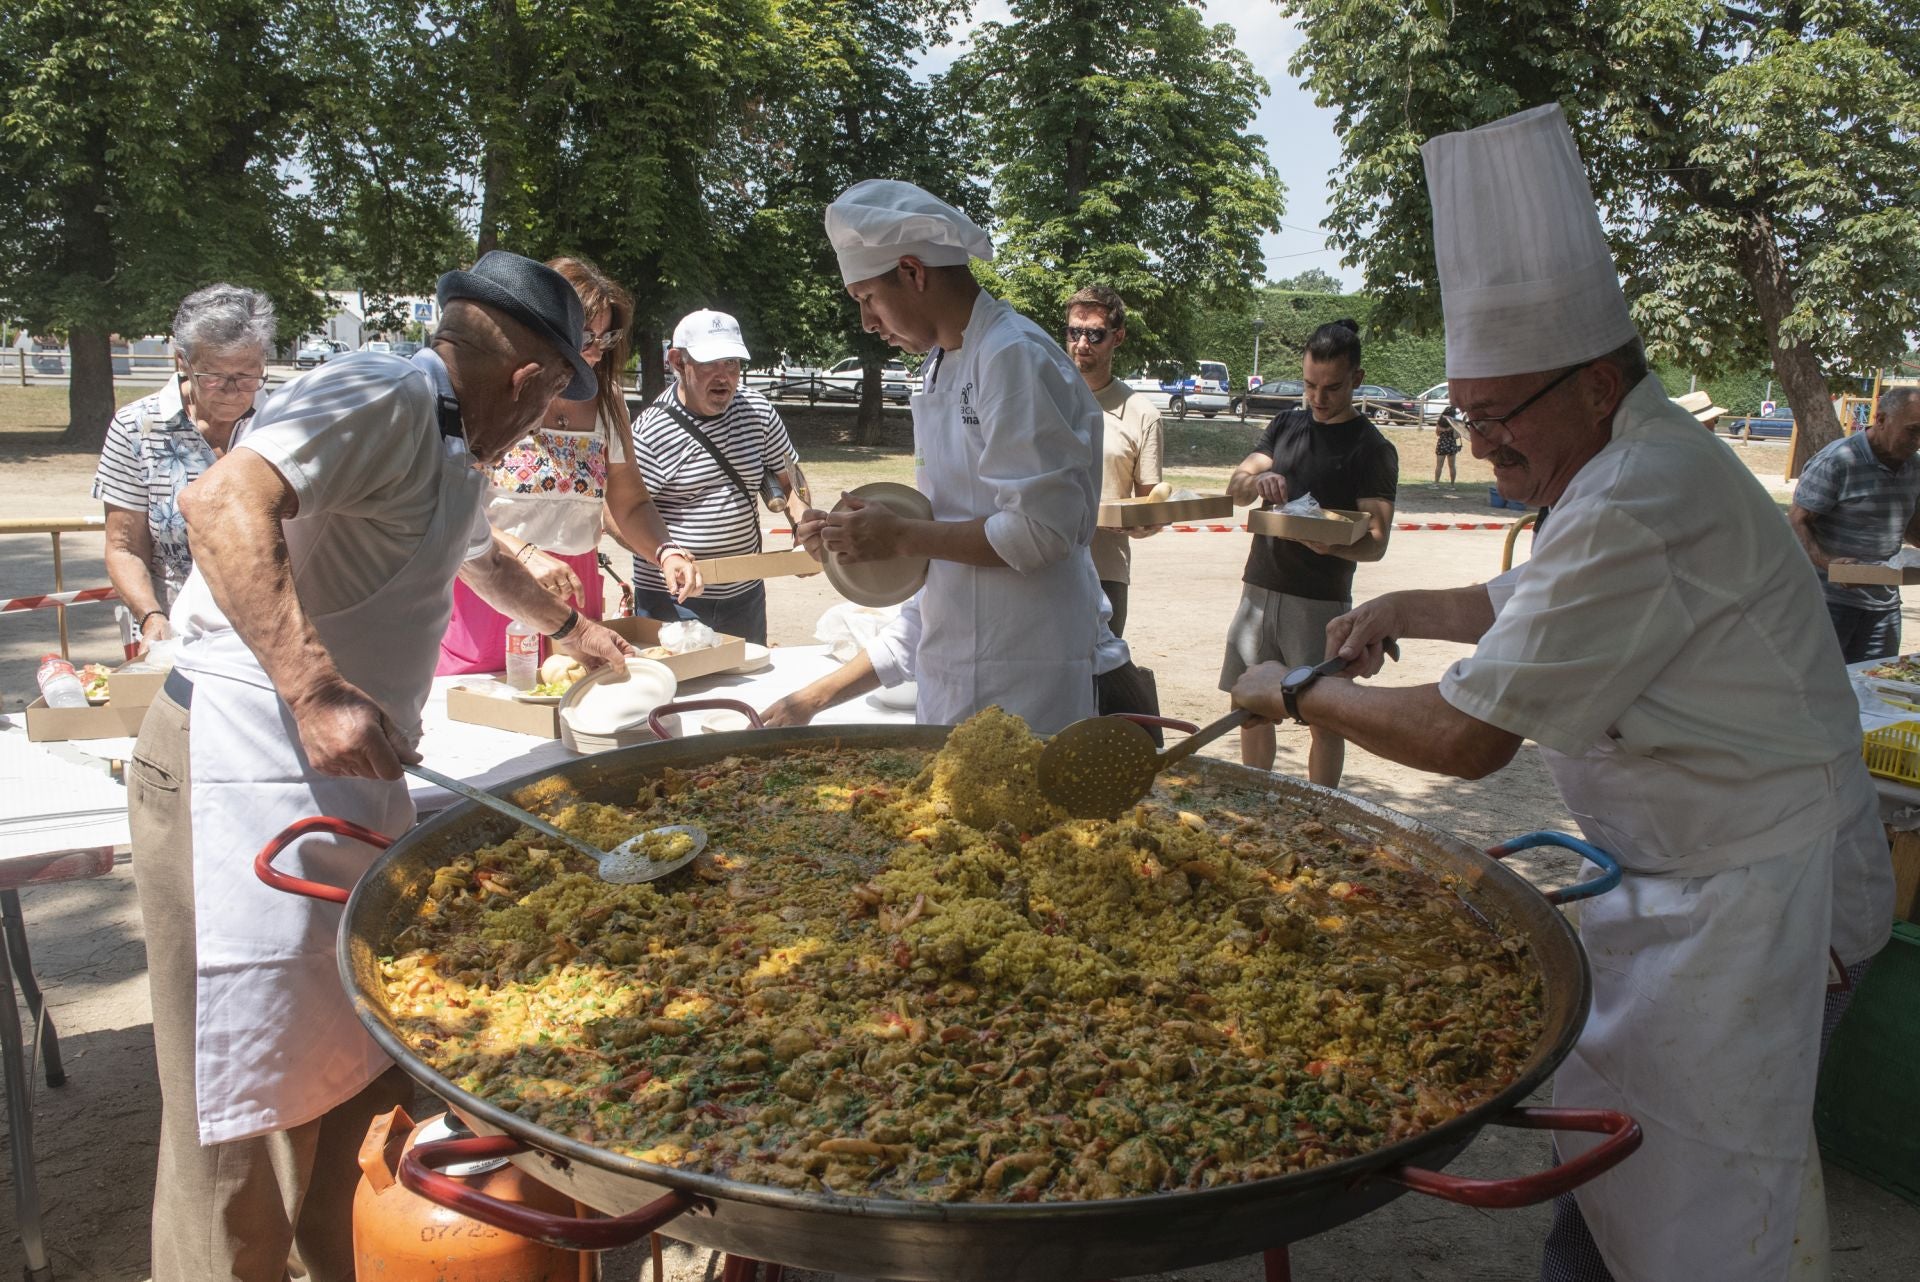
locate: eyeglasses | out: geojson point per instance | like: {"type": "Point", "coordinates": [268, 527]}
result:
{"type": "Point", "coordinates": [228, 382]}
{"type": "Point", "coordinates": [1096, 335]}
{"type": "Point", "coordinates": [1483, 427]}
{"type": "Point", "coordinates": [603, 339]}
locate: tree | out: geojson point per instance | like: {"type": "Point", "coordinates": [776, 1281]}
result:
{"type": "Point", "coordinates": [843, 109]}
{"type": "Point", "coordinates": [1311, 281]}
{"type": "Point", "coordinates": [141, 161]}
{"type": "Point", "coordinates": [1756, 162]}
{"type": "Point", "coordinates": [1116, 131]}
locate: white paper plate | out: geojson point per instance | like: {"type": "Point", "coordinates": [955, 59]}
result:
{"type": "Point", "coordinates": [608, 702]}
{"type": "Point", "coordinates": [901, 698]}
{"type": "Point", "coordinates": [882, 582]}
{"type": "Point", "coordinates": [758, 657]}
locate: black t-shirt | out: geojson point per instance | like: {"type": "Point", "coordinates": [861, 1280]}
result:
{"type": "Point", "coordinates": [1339, 464]}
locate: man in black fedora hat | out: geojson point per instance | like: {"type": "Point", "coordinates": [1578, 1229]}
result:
{"type": "Point", "coordinates": [327, 540]}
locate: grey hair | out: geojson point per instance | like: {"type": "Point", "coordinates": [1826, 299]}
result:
{"type": "Point", "coordinates": [1893, 400]}
{"type": "Point", "coordinates": [221, 317]}
{"type": "Point", "coordinates": [1630, 358]}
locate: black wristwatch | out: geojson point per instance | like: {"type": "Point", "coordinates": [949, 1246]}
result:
{"type": "Point", "coordinates": [565, 630]}
{"type": "Point", "coordinates": [1297, 680]}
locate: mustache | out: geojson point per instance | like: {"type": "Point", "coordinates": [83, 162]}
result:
{"type": "Point", "coordinates": [1507, 456]}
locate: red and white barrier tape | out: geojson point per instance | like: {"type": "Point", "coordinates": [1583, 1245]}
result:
{"type": "Point", "coordinates": [1398, 525]}
{"type": "Point", "coordinates": [47, 600]}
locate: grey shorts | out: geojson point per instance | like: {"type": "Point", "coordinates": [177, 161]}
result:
{"type": "Point", "coordinates": [1272, 627]}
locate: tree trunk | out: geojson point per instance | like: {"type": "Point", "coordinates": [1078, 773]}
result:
{"type": "Point", "coordinates": [493, 181]}
{"type": "Point", "coordinates": [90, 403]}
{"type": "Point", "coordinates": [870, 420]}
{"type": "Point", "coordinates": [1795, 364]}
{"type": "Point", "coordinates": [653, 366]}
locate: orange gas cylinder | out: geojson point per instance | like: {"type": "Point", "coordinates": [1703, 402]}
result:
{"type": "Point", "coordinates": [399, 1236]}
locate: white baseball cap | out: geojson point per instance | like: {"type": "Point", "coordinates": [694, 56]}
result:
{"type": "Point", "coordinates": [710, 336]}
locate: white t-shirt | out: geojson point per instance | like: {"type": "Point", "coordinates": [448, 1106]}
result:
{"type": "Point", "coordinates": [1668, 633]}
{"type": "Point", "coordinates": [358, 442]}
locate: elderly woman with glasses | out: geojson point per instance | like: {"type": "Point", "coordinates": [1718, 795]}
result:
{"type": "Point", "coordinates": [159, 444]}
{"type": "Point", "coordinates": [555, 492]}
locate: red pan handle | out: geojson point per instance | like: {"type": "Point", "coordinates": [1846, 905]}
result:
{"type": "Point", "coordinates": [1623, 1137]}
{"type": "Point", "coordinates": [1171, 723]}
{"type": "Point", "coordinates": [420, 1172]}
{"type": "Point", "coordinates": [656, 722]}
{"type": "Point", "coordinates": [263, 862]}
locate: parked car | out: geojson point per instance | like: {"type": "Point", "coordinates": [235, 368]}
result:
{"type": "Point", "coordinates": [377, 345]}
{"type": "Point", "coordinates": [1277, 396]}
{"type": "Point", "coordinates": [841, 382]}
{"type": "Point", "coordinates": [316, 351]}
{"type": "Point", "coordinates": [1434, 402]}
{"type": "Point", "coordinates": [48, 357]}
{"type": "Point", "coordinates": [406, 349]}
{"type": "Point", "coordinates": [1202, 392]}
{"type": "Point", "coordinates": [1390, 403]}
{"type": "Point", "coordinates": [1150, 387]}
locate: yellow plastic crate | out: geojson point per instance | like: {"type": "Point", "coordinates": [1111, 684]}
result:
{"type": "Point", "coordinates": [1893, 752]}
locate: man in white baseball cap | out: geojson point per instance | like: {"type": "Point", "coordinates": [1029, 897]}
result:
{"type": "Point", "coordinates": [1008, 444]}
{"type": "Point", "coordinates": [707, 448]}
{"type": "Point", "coordinates": [1667, 651]}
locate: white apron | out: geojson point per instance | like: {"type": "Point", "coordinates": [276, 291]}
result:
{"type": "Point", "coordinates": [1707, 992]}
{"type": "Point", "coordinates": [276, 1041]}
{"type": "Point", "coordinates": [992, 635]}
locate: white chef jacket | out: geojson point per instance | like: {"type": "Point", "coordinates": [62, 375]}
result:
{"type": "Point", "coordinates": [1668, 649]}
{"type": "Point", "coordinates": [1004, 429]}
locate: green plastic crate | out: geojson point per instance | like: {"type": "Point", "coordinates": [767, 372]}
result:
{"type": "Point", "coordinates": [1868, 1109]}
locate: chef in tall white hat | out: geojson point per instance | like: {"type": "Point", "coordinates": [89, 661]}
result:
{"type": "Point", "coordinates": [1007, 449]}
{"type": "Point", "coordinates": [1674, 665]}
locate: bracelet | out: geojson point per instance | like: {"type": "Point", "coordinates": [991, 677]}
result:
{"type": "Point", "coordinates": [521, 555]}
{"type": "Point", "coordinates": [142, 625]}
{"type": "Point", "coordinates": [665, 550]}
{"type": "Point", "coordinates": [565, 630]}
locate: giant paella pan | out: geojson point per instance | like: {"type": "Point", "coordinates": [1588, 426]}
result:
{"type": "Point", "coordinates": [902, 1020]}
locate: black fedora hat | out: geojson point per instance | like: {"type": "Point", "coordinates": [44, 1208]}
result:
{"type": "Point", "coordinates": [535, 295]}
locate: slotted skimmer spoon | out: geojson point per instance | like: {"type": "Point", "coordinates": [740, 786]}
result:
{"type": "Point", "coordinates": [1097, 767]}
{"type": "Point", "coordinates": [627, 864]}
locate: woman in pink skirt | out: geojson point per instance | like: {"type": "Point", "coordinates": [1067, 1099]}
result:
{"type": "Point", "coordinates": [555, 491]}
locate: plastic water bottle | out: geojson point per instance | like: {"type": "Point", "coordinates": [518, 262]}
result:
{"type": "Point", "coordinates": [60, 684]}
{"type": "Point", "coordinates": [523, 656]}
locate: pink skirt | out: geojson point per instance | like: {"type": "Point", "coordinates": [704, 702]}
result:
{"type": "Point", "coordinates": [476, 639]}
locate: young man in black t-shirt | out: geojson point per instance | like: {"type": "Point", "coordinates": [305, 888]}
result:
{"type": "Point", "coordinates": [1292, 590]}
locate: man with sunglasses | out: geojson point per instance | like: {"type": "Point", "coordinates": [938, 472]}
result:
{"type": "Point", "coordinates": [1132, 448]}
{"type": "Point", "coordinates": [1665, 648]}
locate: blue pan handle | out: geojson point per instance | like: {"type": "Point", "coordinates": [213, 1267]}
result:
{"type": "Point", "coordinates": [1609, 875]}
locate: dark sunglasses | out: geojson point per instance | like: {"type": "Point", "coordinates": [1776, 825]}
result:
{"type": "Point", "coordinates": [1097, 335]}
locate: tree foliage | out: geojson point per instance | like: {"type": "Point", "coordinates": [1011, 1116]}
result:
{"type": "Point", "coordinates": [1756, 162]}
{"type": "Point", "coordinates": [1116, 132]}
{"type": "Point", "coordinates": [1314, 280]}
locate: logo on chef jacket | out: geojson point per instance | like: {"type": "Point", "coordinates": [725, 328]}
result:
{"type": "Point", "coordinates": [968, 414]}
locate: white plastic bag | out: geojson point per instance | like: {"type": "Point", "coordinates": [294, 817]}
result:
{"type": "Point", "coordinates": [847, 628]}
{"type": "Point", "coordinates": [1305, 505]}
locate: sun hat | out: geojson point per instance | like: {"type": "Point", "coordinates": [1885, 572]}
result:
{"type": "Point", "coordinates": [535, 295]}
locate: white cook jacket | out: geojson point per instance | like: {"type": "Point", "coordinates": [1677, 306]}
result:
{"type": "Point", "coordinates": [276, 1042]}
{"type": "Point", "coordinates": [1004, 430]}
{"type": "Point", "coordinates": [1667, 647]}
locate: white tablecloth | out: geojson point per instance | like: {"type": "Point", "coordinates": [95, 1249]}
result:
{"type": "Point", "coordinates": [1899, 802]}
{"type": "Point", "coordinates": [62, 796]}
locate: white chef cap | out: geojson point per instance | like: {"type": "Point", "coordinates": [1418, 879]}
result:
{"type": "Point", "coordinates": [1526, 280]}
{"type": "Point", "coordinates": [876, 223]}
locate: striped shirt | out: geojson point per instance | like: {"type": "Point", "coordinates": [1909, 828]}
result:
{"type": "Point", "coordinates": [704, 510]}
{"type": "Point", "coordinates": [1861, 508]}
{"type": "Point", "coordinates": [151, 453]}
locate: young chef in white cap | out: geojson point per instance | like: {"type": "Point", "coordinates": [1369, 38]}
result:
{"type": "Point", "coordinates": [1731, 789]}
{"type": "Point", "coordinates": [1007, 446]}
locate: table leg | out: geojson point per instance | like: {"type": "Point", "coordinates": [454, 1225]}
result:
{"type": "Point", "coordinates": [13, 1062]}
{"type": "Point", "coordinates": [15, 926]}
{"type": "Point", "coordinates": [1279, 1266]}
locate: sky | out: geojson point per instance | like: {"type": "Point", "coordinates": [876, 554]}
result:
{"type": "Point", "coordinates": [1299, 135]}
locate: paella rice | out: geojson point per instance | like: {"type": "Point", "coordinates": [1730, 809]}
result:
{"type": "Point", "coordinates": [900, 973]}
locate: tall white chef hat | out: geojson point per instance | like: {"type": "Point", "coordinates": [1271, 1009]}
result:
{"type": "Point", "coordinates": [1526, 280]}
{"type": "Point", "coordinates": [876, 223]}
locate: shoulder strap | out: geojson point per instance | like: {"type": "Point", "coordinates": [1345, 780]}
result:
{"type": "Point", "coordinates": [678, 413]}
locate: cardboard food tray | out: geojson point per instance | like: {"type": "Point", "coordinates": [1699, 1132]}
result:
{"type": "Point", "coordinates": [542, 720]}
{"type": "Point", "coordinates": [1310, 529]}
{"type": "Point", "coordinates": [1862, 572]}
{"type": "Point", "coordinates": [111, 720]}
{"type": "Point", "coordinates": [760, 565]}
{"type": "Point", "coordinates": [1128, 513]}
{"type": "Point", "coordinates": [134, 689]}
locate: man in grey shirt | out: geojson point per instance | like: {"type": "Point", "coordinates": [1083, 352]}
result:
{"type": "Point", "coordinates": [1855, 502]}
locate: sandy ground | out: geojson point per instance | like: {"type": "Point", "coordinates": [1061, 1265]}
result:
{"type": "Point", "coordinates": [96, 1136]}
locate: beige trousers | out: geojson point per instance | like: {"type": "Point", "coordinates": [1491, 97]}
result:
{"type": "Point", "coordinates": [255, 1210]}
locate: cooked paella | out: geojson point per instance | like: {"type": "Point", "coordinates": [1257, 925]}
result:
{"type": "Point", "coordinates": [902, 973]}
